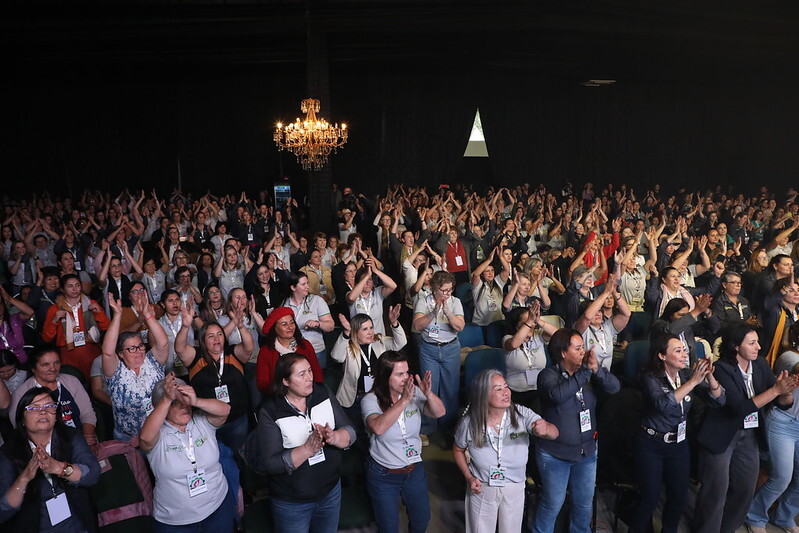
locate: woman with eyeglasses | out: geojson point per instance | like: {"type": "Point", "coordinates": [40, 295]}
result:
{"type": "Point", "coordinates": [131, 371]}
{"type": "Point", "coordinates": [439, 317]}
{"type": "Point", "coordinates": [73, 323]}
{"type": "Point", "coordinates": [75, 406]}
{"type": "Point", "coordinates": [45, 469]}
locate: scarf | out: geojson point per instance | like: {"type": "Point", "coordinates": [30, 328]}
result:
{"type": "Point", "coordinates": [69, 325]}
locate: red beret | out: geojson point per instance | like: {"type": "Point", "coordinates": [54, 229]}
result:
{"type": "Point", "coordinates": [274, 316]}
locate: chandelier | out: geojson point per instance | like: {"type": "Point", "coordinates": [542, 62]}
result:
{"type": "Point", "coordinates": [312, 139]}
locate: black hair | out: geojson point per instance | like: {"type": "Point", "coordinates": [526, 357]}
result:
{"type": "Point", "coordinates": [560, 342]}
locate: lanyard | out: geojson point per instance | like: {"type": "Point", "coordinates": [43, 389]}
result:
{"type": "Point", "coordinates": [528, 348]}
{"type": "Point", "coordinates": [48, 477]}
{"type": "Point", "coordinates": [747, 375]}
{"type": "Point", "coordinates": [221, 367]}
{"type": "Point", "coordinates": [171, 325]}
{"type": "Point", "coordinates": [401, 424]}
{"type": "Point", "coordinates": [367, 359]}
{"type": "Point", "coordinates": [501, 435]}
{"type": "Point", "coordinates": [675, 384]}
{"type": "Point", "coordinates": [455, 246]}
{"type": "Point", "coordinates": [366, 303]}
{"type": "Point", "coordinates": [188, 449]}
{"type": "Point", "coordinates": [75, 315]}
{"type": "Point", "coordinates": [3, 336]}
{"type": "Point", "coordinates": [603, 342]}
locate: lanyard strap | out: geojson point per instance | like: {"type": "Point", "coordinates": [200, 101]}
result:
{"type": "Point", "coordinates": [188, 449]}
{"type": "Point", "coordinates": [527, 349]}
{"type": "Point", "coordinates": [676, 384]}
{"type": "Point", "coordinates": [402, 427]}
{"type": "Point", "coordinates": [367, 358]}
{"type": "Point", "coordinates": [497, 445]}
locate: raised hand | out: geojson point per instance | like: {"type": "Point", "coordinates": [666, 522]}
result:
{"type": "Point", "coordinates": [394, 313]}
{"type": "Point", "coordinates": [345, 324]}
{"type": "Point", "coordinates": [425, 384]}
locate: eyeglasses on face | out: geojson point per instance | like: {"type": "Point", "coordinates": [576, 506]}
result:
{"type": "Point", "coordinates": [446, 291]}
{"type": "Point", "coordinates": [137, 348]}
{"type": "Point", "coordinates": [47, 408]}
{"type": "Point", "coordinates": [136, 291]}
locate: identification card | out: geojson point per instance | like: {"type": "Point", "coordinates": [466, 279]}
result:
{"type": "Point", "coordinates": [368, 383]}
{"type": "Point", "coordinates": [412, 454]}
{"type": "Point", "coordinates": [532, 376]}
{"type": "Point", "coordinates": [80, 338]}
{"type": "Point", "coordinates": [58, 509]}
{"type": "Point", "coordinates": [751, 421]}
{"type": "Point", "coordinates": [250, 237]}
{"type": "Point", "coordinates": [77, 265]}
{"type": "Point", "coordinates": [459, 260]}
{"type": "Point", "coordinates": [433, 331]}
{"type": "Point", "coordinates": [681, 431]}
{"type": "Point", "coordinates": [496, 476]}
{"type": "Point", "coordinates": [222, 393]}
{"type": "Point", "coordinates": [318, 457]}
{"type": "Point", "coordinates": [322, 288]}
{"type": "Point", "coordinates": [492, 305]}
{"type": "Point", "coordinates": [585, 420]}
{"type": "Point", "coordinates": [149, 408]}
{"type": "Point", "coordinates": [196, 482]}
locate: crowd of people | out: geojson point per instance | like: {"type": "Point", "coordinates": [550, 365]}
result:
{"type": "Point", "coordinates": [187, 325]}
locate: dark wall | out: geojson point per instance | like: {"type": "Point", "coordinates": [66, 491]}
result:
{"type": "Point", "coordinates": [408, 124]}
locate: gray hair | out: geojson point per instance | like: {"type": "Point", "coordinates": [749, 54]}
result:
{"type": "Point", "coordinates": [477, 410]}
{"type": "Point", "coordinates": [159, 392]}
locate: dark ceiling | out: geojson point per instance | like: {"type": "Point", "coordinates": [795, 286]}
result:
{"type": "Point", "coordinates": [712, 41]}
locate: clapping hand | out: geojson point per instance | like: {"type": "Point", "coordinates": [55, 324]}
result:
{"type": "Point", "coordinates": [425, 383]}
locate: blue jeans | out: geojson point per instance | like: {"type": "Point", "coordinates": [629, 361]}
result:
{"type": "Point", "coordinates": [783, 481]}
{"type": "Point", "coordinates": [386, 490]}
{"type": "Point", "coordinates": [322, 358]}
{"type": "Point", "coordinates": [220, 521]}
{"type": "Point", "coordinates": [558, 475]}
{"type": "Point", "coordinates": [660, 463]}
{"type": "Point", "coordinates": [444, 363]}
{"type": "Point", "coordinates": [314, 517]}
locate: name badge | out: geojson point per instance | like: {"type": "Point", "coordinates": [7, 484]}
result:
{"type": "Point", "coordinates": [77, 265]}
{"type": "Point", "coordinates": [222, 393]}
{"type": "Point", "coordinates": [250, 237]}
{"type": "Point", "coordinates": [492, 305]}
{"type": "Point", "coordinates": [532, 376]}
{"type": "Point", "coordinates": [751, 421]}
{"type": "Point", "coordinates": [79, 338]}
{"type": "Point", "coordinates": [149, 408]}
{"type": "Point", "coordinates": [459, 260]}
{"type": "Point", "coordinates": [197, 483]}
{"type": "Point", "coordinates": [496, 476]}
{"type": "Point", "coordinates": [433, 331]}
{"type": "Point", "coordinates": [585, 420]}
{"type": "Point", "coordinates": [318, 457]}
{"type": "Point", "coordinates": [411, 454]}
{"type": "Point", "coordinates": [322, 288]}
{"type": "Point", "coordinates": [368, 383]}
{"type": "Point", "coordinates": [58, 509]}
{"type": "Point", "coordinates": [681, 431]}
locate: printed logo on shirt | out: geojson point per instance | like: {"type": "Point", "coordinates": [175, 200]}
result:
{"type": "Point", "coordinates": [174, 448]}
{"type": "Point", "coordinates": [409, 414]}
{"type": "Point", "coordinates": [199, 442]}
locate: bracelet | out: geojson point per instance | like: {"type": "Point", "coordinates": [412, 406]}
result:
{"type": "Point", "coordinates": [21, 490]}
{"type": "Point", "coordinates": [529, 326]}
{"type": "Point", "coordinates": [148, 317]}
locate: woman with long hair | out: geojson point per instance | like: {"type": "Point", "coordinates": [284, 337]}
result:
{"type": "Point", "coordinates": [11, 335]}
{"type": "Point", "coordinates": [217, 371]}
{"type": "Point", "coordinates": [662, 450]}
{"type": "Point", "coordinates": [395, 471]}
{"type": "Point", "coordinates": [359, 347]}
{"type": "Point", "coordinates": [311, 314]}
{"type": "Point", "coordinates": [230, 269]}
{"type": "Point", "coordinates": [368, 299]}
{"type": "Point", "coordinates": [302, 430]}
{"type": "Point", "coordinates": [496, 432]}
{"type": "Point", "coordinates": [728, 455]}
{"type": "Point", "coordinates": [487, 293]}
{"type": "Point", "coordinates": [45, 469]}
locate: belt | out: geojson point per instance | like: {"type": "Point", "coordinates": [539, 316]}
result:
{"type": "Point", "coordinates": [669, 438]}
{"type": "Point", "coordinates": [404, 470]}
{"type": "Point", "coordinates": [440, 343]}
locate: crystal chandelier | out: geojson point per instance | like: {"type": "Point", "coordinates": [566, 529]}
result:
{"type": "Point", "coordinates": [312, 139]}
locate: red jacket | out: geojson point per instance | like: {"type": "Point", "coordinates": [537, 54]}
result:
{"type": "Point", "coordinates": [267, 359]}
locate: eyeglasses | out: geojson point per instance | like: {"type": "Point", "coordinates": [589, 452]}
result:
{"type": "Point", "coordinates": [136, 291]}
{"type": "Point", "coordinates": [47, 408]}
{"type": "Point", "coordinates": [134, 349]}
{"type": "Point", "coordinates": [732, 282]}
{"type": "Point", "coordinates": [446, 291]}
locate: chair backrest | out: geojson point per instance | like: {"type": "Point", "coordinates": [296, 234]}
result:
{"type": "Point", "coordinates": [639, 325]}
{"type": "Point", "coordinates": [482, 359]}
{"type": "Point", "coordinates": [463, 292]}
{"type": "Point", "coordinates": [635, 357]}
{"type": "Point", "coordinates": [124, 490]}
{"type": "Point", "coordinates": [494, 333]}
{"type": "Point", "coordinates": [471, 336]}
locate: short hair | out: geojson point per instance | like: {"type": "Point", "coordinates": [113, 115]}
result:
{"type": "Point", "coordinates": [159, 391]}
{"type": "Point", "coordinates": [777, 258]}
{"type": "Point", "coordinates": [441, 278]}
{"type": "Point", "coordinates": [125, 335]}
{"type": "Point", "coordinates": [167, 293]}
{"type": "Point", "coordinates": [560, 341]}
{"type": "Point", "coordinates": [732, 338]}
{"type": "Point", "coordinates": [40, 351]}
{"type": "Point", "coordinates": [66, 277]}
{"type": "Point", "coordinates": [728, 275]}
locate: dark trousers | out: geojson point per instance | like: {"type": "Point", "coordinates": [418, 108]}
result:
{"type": "Point", "coordinates": [660, 463]}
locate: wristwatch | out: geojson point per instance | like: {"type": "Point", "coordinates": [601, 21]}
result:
{"type": "Point", "coordinates": [68, 469]}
